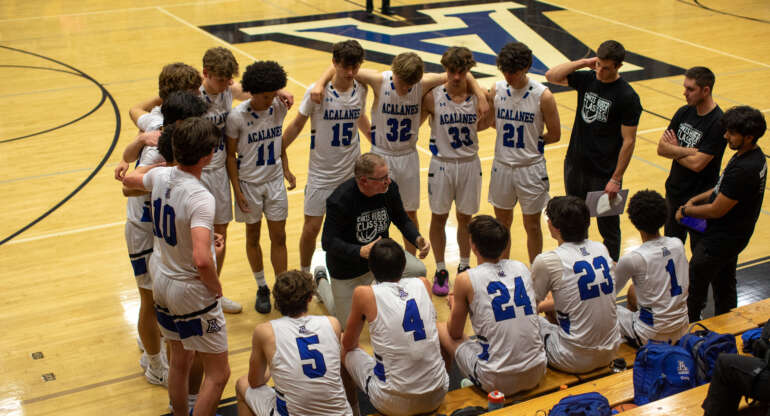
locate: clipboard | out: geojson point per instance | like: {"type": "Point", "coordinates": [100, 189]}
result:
{"type": "Point", "coordinates": [616, 207]}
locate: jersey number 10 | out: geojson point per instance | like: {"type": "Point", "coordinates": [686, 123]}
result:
{"type": "Point", "coordinates": [164, 225]}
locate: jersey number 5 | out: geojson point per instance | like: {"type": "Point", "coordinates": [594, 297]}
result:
{"type": "Point", "coordinates": [318, 368]}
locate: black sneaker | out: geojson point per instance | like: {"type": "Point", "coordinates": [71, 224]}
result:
{"type": "Point", "coordinates": [461, 268]}
{"type": "Point", "coordinates": [262, 305]}
{"type": "Point", "coordinates": [441, 283]}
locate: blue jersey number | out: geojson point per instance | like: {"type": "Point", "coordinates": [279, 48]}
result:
{"type": "Point", "coordinates": [270, 154]}
{"type": "Point", "coordinates": [394, 135]}
{"type": "Point", "coordinates": [412, 320]}
{"type": "Point", "coordinates": [457, 141]}
{"type": "Point", "coordinates": [587, 289]}
{"type": "Point", "coordinates": [676, 290]}
{"type": "Point", "coordinates": [318, 368]}
{"type": "Point", "coordinates": [343, 133]}
{"type": "Point", "coordinates": [510, 132]}
{"type": "Point", "coordinates": [163, 220]}
{"type": "Point", "coordinates": [520, 299]}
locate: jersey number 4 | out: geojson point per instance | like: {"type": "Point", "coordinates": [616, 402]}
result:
{"type": "Point", "coordinates": [318, 367]}
{"type": "Point", "coordinates": [520, 299]}
{"type": "Point", "coordinates": [412, 321]}
{"type": "Point", "coordinates": [588, 290]}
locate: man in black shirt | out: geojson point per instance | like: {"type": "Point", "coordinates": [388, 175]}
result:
{"type": "Point", "coordinates": [604, 131]}
{"type": "Point", "coordinates": [358, 213]}
{"type": "Point", "coordinates": [731, 210]}
{"type": "Point", "coordinates": [694, 140]}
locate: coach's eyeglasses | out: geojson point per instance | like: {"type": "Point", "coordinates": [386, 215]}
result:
{"type": "Point", "coordinates": [382, 179]}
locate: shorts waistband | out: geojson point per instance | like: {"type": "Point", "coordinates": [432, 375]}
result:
{"type": "Point", "coordinates": [188, 315]}
{"type": "Point", "coordinates": [519, 165]}
{"type": "Point", "coordinates": [383, 152]}
{"type": "Point", "coordinates": [457, 160]}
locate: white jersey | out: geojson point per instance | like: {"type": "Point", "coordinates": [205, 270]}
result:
{"type": "Point", "coordinates": [334, 144]}
{"type": "Point", "coordinates": [519, 124]}
{"type": "Point", "coordinates": [306, 366]}
{"type": "Point", "coordinates": [504, 317]}
{"type": "Point", "coordinates": [259, 140]}
{"type": "Point", "coordinates": [138, 207]}
{"type": "Point", "coordinates": [395, 118]}
{"type": "Point", "coordinates": [150, 121]}
{"type": "Point", "coordinates": [219, 107]}
{"type": "Point", "coordinates": [584, 295]}
{"type": "Point", "coordinates": [660, 272]}
{"type": "Point", "coordinates": [179, 203]}
{"type": "Point", "coordinates": [405, 339]}
{"type": "Point", "coordinates": [453, 126]}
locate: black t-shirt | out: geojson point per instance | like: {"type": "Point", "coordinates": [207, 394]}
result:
{"type": "Point", "coordinates": [742, 180]}
{"type": "Point", "coordinates": [704, 133]}
{"type": "Point", "coordinates": [354, 220]}
{"type": "Point", "coordinates": [601, 109]}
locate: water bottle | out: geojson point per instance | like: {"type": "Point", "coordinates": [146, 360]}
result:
{"type": "Point", "coordinates": [495, 400]}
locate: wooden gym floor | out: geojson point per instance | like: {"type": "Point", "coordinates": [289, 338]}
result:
{"type": "Point", "coordinates": [69, 71]}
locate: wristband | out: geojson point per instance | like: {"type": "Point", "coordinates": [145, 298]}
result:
{"type": "Point", "coordinates": [618, 183]}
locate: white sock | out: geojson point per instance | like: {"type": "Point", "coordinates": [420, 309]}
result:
{"type": "Point", "coordinates": [465, 261]}
{"type": "Point", "coordinates": [305, 269]}
{"type": "Point", "coordinates": [156, 360]}
{"type": "Point", "coordinates": [260, 278]}
{"type": "Point", "coordinates": [191, 399]}
{"type": "Point", "coordinates": [440, 265]}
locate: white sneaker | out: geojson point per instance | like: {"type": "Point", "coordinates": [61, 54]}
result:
{"type": "Point", "coordinates": [230, 306]}
{"type": "Point", "coordinates": [158, 376]}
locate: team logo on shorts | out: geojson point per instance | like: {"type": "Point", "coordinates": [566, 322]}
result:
{"type": "Point", "coordinates": [213, 326]}
{"type": "Point", "coordinates": [483, 26]}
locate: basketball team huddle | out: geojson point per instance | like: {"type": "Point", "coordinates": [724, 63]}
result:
{"type": "Point", "coordinates": [194, 147]}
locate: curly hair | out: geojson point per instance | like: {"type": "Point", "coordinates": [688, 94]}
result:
{"type": "Point", "coordinates": [348, 53]}
{"type": "Point", "coordinates": [193, 139]}
{"type": "Point", "coordinates": [177, 77]}
{"type": "Point", "coordinates": [458, 59]}
{"type": "Point", "coordinates": [292, 291]}
{"type": "Point", "coordinates": [220, 62]}
{"type": "Point", "coordinates": [263, 76]}
{"type": "Point", "coordinates": [569, 214]}
{"type": "Point", "coordinates": [514, 57]}
{"type": "Point", "coordinates": [746, 121]}
{"type": "Point", "coordinates": [647, 210]}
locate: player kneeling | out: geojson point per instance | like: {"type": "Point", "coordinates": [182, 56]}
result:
{"type": "Point", "coordinates": [406, 376]}
{"type": "Point", "coordinates": [300, 351]}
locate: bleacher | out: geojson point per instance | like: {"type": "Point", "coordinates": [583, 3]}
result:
{"type": "Point", "coordinates": [616, 387]}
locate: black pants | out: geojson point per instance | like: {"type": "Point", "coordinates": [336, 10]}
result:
{"type": "Point", "coordinates": [736, 376]}
{"type": "Point", "coordinates": [672, 228]}
{"type": "Point", "coordinates": [578, 182]}
{"type": "Point", "coordinates": [717, 270]}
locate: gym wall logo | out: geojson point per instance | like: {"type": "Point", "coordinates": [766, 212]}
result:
{"type": "Point", "coordinates": [483, 26]}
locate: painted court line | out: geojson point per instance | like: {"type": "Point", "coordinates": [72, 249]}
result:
{"type": "Point", "coordinates": [235, 48]}
{"type": "Point", "coordinates": [662, 35]}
